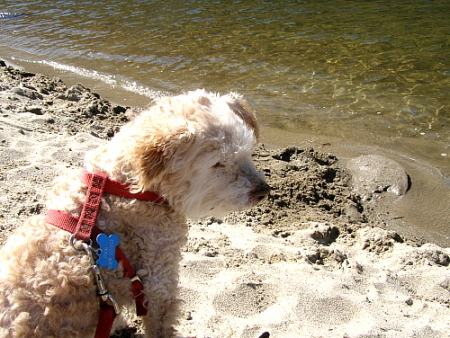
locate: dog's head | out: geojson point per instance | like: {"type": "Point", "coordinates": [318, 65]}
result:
{"type": "Point", "coordinates": [195, 150]}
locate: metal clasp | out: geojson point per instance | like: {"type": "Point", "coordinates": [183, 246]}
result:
{"type": "Point", "coordinates": [102, 291]}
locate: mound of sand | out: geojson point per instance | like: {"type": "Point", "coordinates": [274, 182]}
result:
{"type": "Point", "coordinates": [311, 261]}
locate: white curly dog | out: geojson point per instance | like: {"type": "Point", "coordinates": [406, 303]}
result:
{"type": "Point", "coordinates": [192, 153]}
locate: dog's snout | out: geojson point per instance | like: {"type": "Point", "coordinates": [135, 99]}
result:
{"type": "Point", "coordinates": [261, 192]}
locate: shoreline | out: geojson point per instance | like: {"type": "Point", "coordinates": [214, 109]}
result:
{"type": "Point", "coordinates": [422, 214]}
{"type": "Point", "coordinates": [318, 258]}
{"type": "Point", "coordinates": [413, 146]}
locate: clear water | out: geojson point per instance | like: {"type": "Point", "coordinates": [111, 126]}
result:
{"type": "Point", "coordinates": [368, 71]}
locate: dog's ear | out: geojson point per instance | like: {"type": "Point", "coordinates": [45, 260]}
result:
{"type": "Point", "coordinates": [155, 154]}
{"type": "Point", "coordinates": [241, 109]}
{"type": "Point", "coordinates": [151, 164]}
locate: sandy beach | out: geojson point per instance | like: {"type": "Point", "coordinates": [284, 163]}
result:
{"type": "Point", "coordinates": [318, 258]}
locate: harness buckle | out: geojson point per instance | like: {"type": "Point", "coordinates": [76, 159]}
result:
{"type": "Point", "coordinates": [136, 278]}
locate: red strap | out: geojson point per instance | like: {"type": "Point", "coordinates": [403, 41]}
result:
{"type": "Point", "coordinates": [105, 321]}
{"type": "Point", "coordinates": [91, 206]}
{"type": "Point", "coordinates": [61, 220]}
{"type": "Point", "coordinates": [122, 189]}
{"type": "Point", "coordinates": [139, 300]}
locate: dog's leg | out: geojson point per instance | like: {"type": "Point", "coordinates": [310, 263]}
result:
{"type": "Point", "coordinates": [161, 289]}
{"type": "Point", "coordinates": [161, 318]}
{"type": "Point", "coordinates": [161, 283]}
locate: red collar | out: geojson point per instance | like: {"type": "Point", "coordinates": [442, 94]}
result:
{"type": "Point", "coordinates": [121, 189]}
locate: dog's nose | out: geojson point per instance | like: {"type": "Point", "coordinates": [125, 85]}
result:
{"type": "Point", "coordinates": [261, 192]}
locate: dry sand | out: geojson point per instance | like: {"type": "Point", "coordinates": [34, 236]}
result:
{"type": "Point", "coordinates": [313, 260]}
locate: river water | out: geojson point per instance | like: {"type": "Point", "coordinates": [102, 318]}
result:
{"type": "Point", "coordinates": [376, 73]}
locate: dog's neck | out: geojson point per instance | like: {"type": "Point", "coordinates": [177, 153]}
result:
{"type": "Point", "coordinates": [121, 189]}
{"type": "Point", "coordinates": [115, 161]}
{"type": "Point", "coordinates": [98, 185]}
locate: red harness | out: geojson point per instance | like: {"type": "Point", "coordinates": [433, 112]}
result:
{"type": "Point", "coordinates": [84, 228]}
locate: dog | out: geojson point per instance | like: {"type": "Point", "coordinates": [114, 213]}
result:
{"type": "Point", "coordinates": [193, 152]}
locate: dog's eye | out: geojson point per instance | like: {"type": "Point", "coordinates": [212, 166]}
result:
{"type": "Point", "coordinates": [218, 165]}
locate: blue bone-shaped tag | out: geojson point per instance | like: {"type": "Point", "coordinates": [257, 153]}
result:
{"type": "Point", "coordinates": [107, 251]}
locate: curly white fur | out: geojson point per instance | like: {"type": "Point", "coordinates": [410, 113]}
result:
{"type": "Point", "coordinates": [192, 149]}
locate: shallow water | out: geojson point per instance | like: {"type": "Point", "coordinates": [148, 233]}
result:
{"type": "Point", "coordinates": [303, 64]}
{"type": "Point", "coordinates": [369, 72]}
